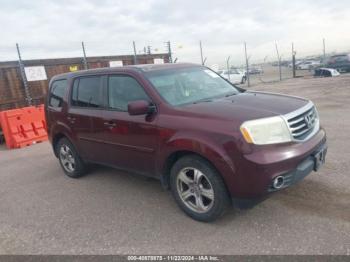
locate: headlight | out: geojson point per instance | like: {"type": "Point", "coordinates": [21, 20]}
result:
{"type": "Point", "coordinates": [265, 131]}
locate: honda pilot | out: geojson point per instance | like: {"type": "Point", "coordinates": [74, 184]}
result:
{"type": "Point", "coordinates": [211, 143]}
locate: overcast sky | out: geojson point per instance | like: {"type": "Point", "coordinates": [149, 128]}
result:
{"type": "Point", "coordinates": [48, 29]}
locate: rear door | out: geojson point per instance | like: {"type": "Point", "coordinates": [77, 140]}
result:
{"type": "Point", "coordinates": [129, 142]}
{"type": "Point", "coordinates": [55, 103]}
{"type": "Point", "coordinates": [85, 108]}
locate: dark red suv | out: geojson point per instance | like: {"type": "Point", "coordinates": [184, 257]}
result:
{"type": "Point", "coordinates": [209, 141]}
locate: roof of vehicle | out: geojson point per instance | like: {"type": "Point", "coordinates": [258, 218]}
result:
{"type": "Point", "coordinates": [345, 54]}
{"type": "Point", "coordinates": [129, 68]}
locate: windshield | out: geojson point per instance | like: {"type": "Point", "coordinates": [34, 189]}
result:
{"type": "Point", "coordinates": [189, 85]}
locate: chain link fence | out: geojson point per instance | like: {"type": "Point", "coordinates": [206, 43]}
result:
{"type": "Point", "coordinates": [244, 64]}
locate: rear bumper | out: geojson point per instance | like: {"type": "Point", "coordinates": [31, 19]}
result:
{"type": "Point", "coordinates": [257, 170]}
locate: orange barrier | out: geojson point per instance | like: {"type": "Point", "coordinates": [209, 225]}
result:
{"type": "Point", "coordinates": [24, 126]}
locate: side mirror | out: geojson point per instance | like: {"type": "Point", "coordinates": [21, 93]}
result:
{"type": "Point", "coordinates": [140, 107]}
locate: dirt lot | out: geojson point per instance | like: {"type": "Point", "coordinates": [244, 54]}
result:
{"type": "Point", "coordinates": [108, 211]}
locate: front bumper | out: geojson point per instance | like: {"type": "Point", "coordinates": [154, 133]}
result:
{"type": "Point", "coordinates": [311, 163]}
{"type": "Point", "coordinates": [255, 173]}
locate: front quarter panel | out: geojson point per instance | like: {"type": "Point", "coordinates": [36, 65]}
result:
{"type": "Point", "coordinates": [214, 148]}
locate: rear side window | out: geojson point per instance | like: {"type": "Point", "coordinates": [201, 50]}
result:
{"type": "Point", "coordinates": [122, 90]}
{"type": "Point", "coordinates": [86, 92]}
{"type": "Point", "coordinates": [57, 92]}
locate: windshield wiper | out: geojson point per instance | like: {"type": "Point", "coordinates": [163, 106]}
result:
{"type": "Point", "coordinates": [203, 101]}
{"type": "Point", "coordinates": [230, 94]}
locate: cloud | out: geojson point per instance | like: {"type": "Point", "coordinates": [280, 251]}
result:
{"type": "Point", "coordinates": [56, 28]}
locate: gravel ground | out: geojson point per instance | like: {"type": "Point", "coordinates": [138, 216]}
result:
{"type": "Point", "coordinates": [110, 212]}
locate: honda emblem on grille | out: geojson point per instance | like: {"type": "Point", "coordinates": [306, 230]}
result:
{"type": "Point", "coordinates": [308, 120]}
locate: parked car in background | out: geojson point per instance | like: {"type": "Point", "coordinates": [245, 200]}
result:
{"type": "Point", "coordinates": [339, 62]}
{"type": "Point", "coordinates": [298, 62]}
{"type": "Point", "coordinates": [235, 76]}
{"type": "Point", "coordinates": [285, 63]}
{"type": "Point", "coordinates": [326, 72]}
{"type": "Point", "coordinates": [212, 143]}
{"type": "Point", "coordinates": [255, 70]}
{"type": "Point", "coordinates": [308, 65]}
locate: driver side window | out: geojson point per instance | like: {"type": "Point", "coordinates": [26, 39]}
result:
{"type": "Point", "coordinates": [123, 89]}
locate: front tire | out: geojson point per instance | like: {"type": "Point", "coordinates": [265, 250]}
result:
{"type": "Point", "coordinates": [198, 188]}
{"type": "Point", "coordinates": [71, 163]}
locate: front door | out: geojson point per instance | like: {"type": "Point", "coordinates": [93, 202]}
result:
{"type": "Point", "coordinates": [130, 142]}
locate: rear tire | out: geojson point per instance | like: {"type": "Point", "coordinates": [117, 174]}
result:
{"type": "Point", "coordinates": [198, 188]}
{"type": "Point", "coordinates": [70, 161]}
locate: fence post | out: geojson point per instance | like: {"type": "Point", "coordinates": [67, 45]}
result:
{"type": "Point", "coordinates": [324, 50]}
{"type": "Point", "coordinates": [168, 46]}
{"type": "Point", "coordinates": [24, 78]}
{"type": "Point", "coordinates": [228, 67]}
{"type": "Point", "coordinates": [279, 62]}
{"type": "Point", "coordinates": [200, 47]}
{"type": "Point", "coordinates": [293, 61]}
{"type": "Point", "coordinates": [149, 50]}
{"type": "Point", "coordinates": [247, 63]}
{"type": "Point", "coordinates": [135, 55]}
{"type": "Point", "coordinates": [205, 60]}
{"type": "Point", "coordinates": [84, 58]}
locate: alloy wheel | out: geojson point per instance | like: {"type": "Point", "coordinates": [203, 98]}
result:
{"type": "Point", "coordinates": [195, 190]}
{"type": "Point", "coordinates": [67, 158]}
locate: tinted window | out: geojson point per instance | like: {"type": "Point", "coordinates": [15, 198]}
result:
{"type": "Point", "coordinates": [86, 92]}
{"type": "Point", "coordinates": [122, 90]}
{"type": "Point", "coordinates": [58, 89]}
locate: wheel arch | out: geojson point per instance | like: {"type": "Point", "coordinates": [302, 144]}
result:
{"type": "Point", "coordinates": [170, 161]}
{"type": "Point", "coordinates": [57, 137]}
{"type": "Point", "coordinates": [55, 140]}
{"type": "Point", "coordinates": [175, 155]}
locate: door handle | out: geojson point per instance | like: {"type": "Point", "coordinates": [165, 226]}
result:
{"type": "Point", "coordinates": [110, 124]}
{"type": "Point", "coordinates": [71, 119]}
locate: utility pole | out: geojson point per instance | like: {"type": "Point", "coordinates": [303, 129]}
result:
{"type": "Point", "coordinates": [148, 50]}
{"type": "Point", "coordinates": [247, 63]}
{"type": "Point", "coordinates": [228, 67]}
{"type": "Point", "coordinates": [135, 55]}
{"type": "Point", "coordinates": [293, 61]}
{"type": "Point", "coordinates": [200, 47]}
{"type": "Point", "coordinates": [324, 50]}
{"type": "Point", "coordinates": [84, 58]}
{"type": "Point", "coordinates": [168, 46]}
{"type": "Point", "coordinates": [279, 62]}
{"type": "Point", "coordinates": [24, 78]}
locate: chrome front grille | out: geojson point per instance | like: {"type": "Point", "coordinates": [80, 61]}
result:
{"type": "Point", "coordinates": [303, 123]}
